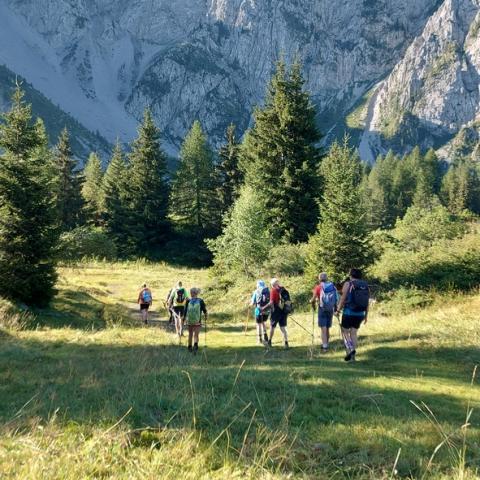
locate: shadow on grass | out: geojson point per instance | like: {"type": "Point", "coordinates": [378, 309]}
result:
{"type": "Point", "coordinates": [323, 399]}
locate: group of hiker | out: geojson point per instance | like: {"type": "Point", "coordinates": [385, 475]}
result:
{"type": "Point", "coordinates": [185, 308]}
{"type": "Point", "coordinates": [349, 298]}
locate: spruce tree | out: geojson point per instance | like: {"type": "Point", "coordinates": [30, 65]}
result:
{"type": "Point", "coordinates": [341, 241]}
{"type": "Point", "coordinates": [148, 188]}
{"type": "Point", "coordinates": [229, 174]}
{"type": "Point", "coordinates": [68, 188]}
{"type": "Point", "coordinates": [27, 210]}
{"type": "Point", "coordinates": [281, 158]}
{"type": "Point", "coordinates": [194, 202]}
{"type": "Point", "coordinates": [92, 191]}
{"type": "Point", "coordinates": [116, 212]}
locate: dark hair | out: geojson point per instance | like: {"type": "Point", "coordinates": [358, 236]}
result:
{"type": "Point", "coordinates": [356, 273]}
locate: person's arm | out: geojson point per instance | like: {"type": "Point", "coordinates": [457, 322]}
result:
{"type": "Point", "coordinates": [252, 299]}
{"type": "Point", "coordinates": [315, 298]}
{"type": "Point", "coordinates": [185, 309]}
{"type": "Point", "coordinates": [343, 299]}
{"type": "Point", "coordinates": [366, 315]}
{"type": "Point", "coordinates": [139, 299]}
{"type": "Point", "coordinates": [203, 308]}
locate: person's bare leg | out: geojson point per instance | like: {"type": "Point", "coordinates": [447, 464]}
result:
{"type": "Point", "coordinates": [272, 331]}
{"type": "Point", "coordinates": [354, 338]}
{"type": "Point", "coordinates": [348, 340]}
{"type": "Point", "coordinates": [197, 334]}
{"type": "Point", "coordinates": [190, 336]}
{"type": "Point", "coordinates": [285, 334]}
{"type": "Point", "coordinates": [324, 337]}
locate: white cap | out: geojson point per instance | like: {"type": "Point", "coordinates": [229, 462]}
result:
{"type": "Point", "coordinates": [273, 281]}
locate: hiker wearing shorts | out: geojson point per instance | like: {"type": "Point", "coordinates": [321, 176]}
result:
{"type": "Point", "coordinates": [260, 298]}
{"type": "Point", "coordinates": [145, 300]}
{"type": "Point", "coordinates": [176, 304]}
{"type": "Point", "coordinates": [278, 315]}
{"type": "Point", "coordinates": [194, 308]}
{"type": "Point", "coordinates": [354, 302]}
{"type": "Point", "coordinates": [325, 298]}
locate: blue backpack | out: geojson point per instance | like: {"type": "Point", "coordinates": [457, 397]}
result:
{"type": "Point", "coordinates": [328, 299]}
{"type": "Point", "coordinates": [146, 296]}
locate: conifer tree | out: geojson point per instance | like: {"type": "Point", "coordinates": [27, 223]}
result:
{"type": "Point", "coordinates": [378, 195]}
{"type": "Point", "coordinates": [460, 188]}
{"type": "Point", "coordinates": [68, 187]}
{"type": "Point", "coordinates": [148, 188]}
{"type": "Point", "coordinates": [281, 158]}
{"type": "Point", "coordinates": [27, 209]}
{"type": "Point", "coordinates": [341, 241]}
{"type": "Point", "coordinates": [229, 174]}
{"type": "Point", "coordinates": [194, 201]}
{"type": "Point", "coordinates": [92, 191]}
{"type": "Point", "coordinates": [116, 212]}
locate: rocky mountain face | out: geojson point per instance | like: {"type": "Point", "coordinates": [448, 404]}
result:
{"type": "Point", "coordinates": [432, 96]}
{"type": "Point", "coordinates": [403, 68]}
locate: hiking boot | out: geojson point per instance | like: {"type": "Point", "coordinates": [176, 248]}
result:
{"type": "Point", "coordinates": [265, 337]}
{"type": "Point", "coordinates": [269, 343]}
{"type": "Point", "coordinates": [195, 348]}
{"type": "Point", "coordinates": [349, 356]}
{"type": "Point", "coordinates": [190, 348]}
{"type": "Point", "coordinates": [286, 346]}
{"type": "Point", "coordinates": [324, 350]}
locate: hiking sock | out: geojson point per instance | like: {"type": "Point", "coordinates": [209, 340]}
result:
{"type": "Point", "coordinates": [269, 342]}
{"type": "Point", "coordinates": [195, 347]}
{"type": "Point", "coordinates": [348, 357]}
{"type": "Point", "coordinates": [265, 337]}
{"type": "Point", "coordinates": [286, 345]}
{"type": "Point", "coordinates": [189, 348]}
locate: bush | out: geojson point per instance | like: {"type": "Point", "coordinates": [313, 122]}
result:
{"type": "Point", "coordinates": [421, 227]}
{"type": "Point", "coordinates": [444, 265]}
{"type": "Point", "coordinates": [404, 300]}
{"type": "Point", "coordinates": [86, 242]}
{"type": "Point", "coordinates": [286, 260]}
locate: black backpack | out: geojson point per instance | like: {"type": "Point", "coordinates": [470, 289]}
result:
{"type": "Point", "coordinates": [285, 303]}
{"type": "Point", "coordinates": [359, 296]}
{"type": "Point", "coordinates": [262, 298]}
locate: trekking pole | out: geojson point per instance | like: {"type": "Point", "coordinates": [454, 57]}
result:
{"type": "Point", "coordinates": [246, 321]}
{"type": "Point", "coordinates": [301, 326]}
{"type": "Point", "coordinates": [313, 328]}
{"type": "Point", "coordinates": [346, 343]}
{"type": "Point", "coordinates": [205, 337]}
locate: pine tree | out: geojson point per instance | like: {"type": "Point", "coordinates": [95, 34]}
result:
{"type": "Point", "coordinates": [378, 199]}
{"type": "Point", "coordinates": [116, 212]}
{"type": "Point", "coordinates": [92, 191]}
{"type": "Point", "coordinates": [148, 186]}
{"type": "Point", "coordinates": [460, 188]}
{"type": "Point", "coordinates": [194, 201]}
{"type": "Point", "coordinates": [27, 209]}
{"type": "Point", "coordinates": [68, 188]}
{"type": "Point", "coordinates": [281, 158]}
{"type": "Point", "coordinates": [229, 174]}
{"type": "Point", "coordinates": [341, 241]}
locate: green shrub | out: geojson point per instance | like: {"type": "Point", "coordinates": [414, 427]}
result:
{"type": "Point", "coordinates": [444, 265]}
{"type": "Point", "coordinates": [286, 260]}
{"type": "Point", "coordinates": [421, 227]}
{"type": "Point", "coordinates": [403, 300]}
{"type": "Point", "coordinates": [86, 242]}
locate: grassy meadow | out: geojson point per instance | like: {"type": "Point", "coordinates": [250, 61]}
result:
{"type": "Point", "coordinates": [88, 392]}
